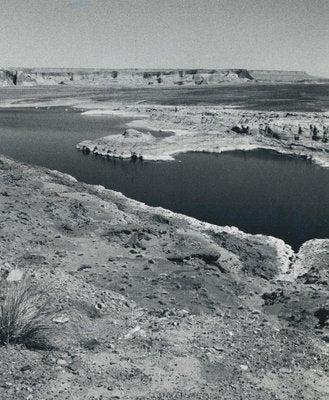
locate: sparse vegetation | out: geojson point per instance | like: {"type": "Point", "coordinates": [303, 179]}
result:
{"type": "Point", "coordinates": [147, 75]}
{"type": "Point", "coordinates": [24, 315]}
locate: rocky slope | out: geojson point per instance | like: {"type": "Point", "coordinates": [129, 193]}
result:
{"type": "Point", "coordinates": [137, 77]}
{"type": "Point", "coordinates": [155, 305]}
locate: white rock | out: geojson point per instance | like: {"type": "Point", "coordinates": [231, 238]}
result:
{"type": "Point", "coordinates": [61, 362]}
{"type": "Point", "coordinates": [61, 320]}
{"type": "Point", "coordinates": [15, 275]}
{"type": "Point", "coordinates": [135, 331]}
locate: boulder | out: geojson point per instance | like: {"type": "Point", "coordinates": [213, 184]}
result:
{"type": "Point", "coordinates": [15, 275]}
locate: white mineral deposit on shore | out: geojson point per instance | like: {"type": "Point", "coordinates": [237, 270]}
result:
{"type": "Point", "coordinates": [209, 129]}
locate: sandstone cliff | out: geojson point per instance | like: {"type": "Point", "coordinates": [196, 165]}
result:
{"type": "Point", "coordinates": [138, 77]}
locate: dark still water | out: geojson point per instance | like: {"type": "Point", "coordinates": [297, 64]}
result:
{"type": "Point", "coordinates": [257, 191]}
{"type": "Point", "coordinates": [278, 97]}
{"type": "Point", "coordinates": [275, 97]}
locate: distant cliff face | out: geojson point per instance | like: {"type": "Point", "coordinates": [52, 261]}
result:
{"type": "Point", "coordinates": [281, 76]}
{"type": "Point", "coordinates": [136, 77]}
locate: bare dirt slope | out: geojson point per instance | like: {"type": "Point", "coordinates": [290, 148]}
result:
{"type": "Point", "coordinates": [153, 305]}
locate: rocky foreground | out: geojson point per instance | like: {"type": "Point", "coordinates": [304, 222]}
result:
{"type": "Point", "coordinates": [154, 305]}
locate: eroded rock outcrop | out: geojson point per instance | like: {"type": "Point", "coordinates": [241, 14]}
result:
{"type": "Point", "coordinates": [136, 77]}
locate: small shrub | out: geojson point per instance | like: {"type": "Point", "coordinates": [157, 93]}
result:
{"type": "Point", "coordinates": [24, 316]}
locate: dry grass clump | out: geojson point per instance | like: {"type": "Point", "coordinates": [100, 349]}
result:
{"type": "Point", "coordinates": [24, 315]}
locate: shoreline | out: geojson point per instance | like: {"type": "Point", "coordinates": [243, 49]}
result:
{"type": "Point", "coordinates": [227, 141]}
{"type": "Point", "coordinates": [285, 253]}
{"type": "Point", "coordinates": [284, 250]}
{"type": "Point", "coordinates": [212, 135]}
{"type": "Point", "coordinates": [140, 288]}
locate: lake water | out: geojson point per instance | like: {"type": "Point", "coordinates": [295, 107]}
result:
{"type": "Point", "coordinates": [258, 191]}
{"type": "Point", "coordinates": [278, 97]}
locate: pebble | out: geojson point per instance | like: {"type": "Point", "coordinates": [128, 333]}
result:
{"type": "Point", "coordinates": [256, 312]}
{"type": "Point", "coordinates": [26, 368]}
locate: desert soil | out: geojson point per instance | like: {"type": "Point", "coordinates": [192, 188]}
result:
{"type": "Point", "coordinates": [154, 305]}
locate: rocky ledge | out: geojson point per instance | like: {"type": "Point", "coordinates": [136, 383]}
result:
{"type": "Point", "coordinates": [212, 129]}
{"type": "Point", "coordinates": [154, 305]}
{"type": "Point", "coordinates": [146, 77]}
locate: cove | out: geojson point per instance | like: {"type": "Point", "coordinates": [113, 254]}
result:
{"type": "Point", "coordinates": [258, 191]}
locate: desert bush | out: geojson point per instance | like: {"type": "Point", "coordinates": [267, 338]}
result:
{"type": "Point", "coordinates": [24, 315]}
{"type": "Point", "coordinates": [147, 75]}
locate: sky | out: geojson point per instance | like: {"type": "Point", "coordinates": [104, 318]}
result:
{"type": "Point", "coordinates": [252, 34]}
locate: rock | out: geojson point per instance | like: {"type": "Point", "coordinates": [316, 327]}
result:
{"type": "Point", "coordinates": [15, 275]}
{"type": "Point", "coordinates": [133, 332]}
{"type": "Point", "coordinates": [26, 368]}
{"type": "Point", "coordinates": [7, 385]}
{"type": "Point", "coordinates": [61, 362]}
{"type": "Point", "coordinates": [116, 395]}
{"type": "Point", "coordinates": [61, 319]}
{"type": "Point", "coordinates": [100, 305]}
{"type": "Point", "coordinates": [182, 313]}
{"type": "Point", "coordinates": [133, 240]}
{"type": "Point", "coordinates": [244, 367]}
{"type": "Point", "coordinates": [322, 314]}
{"type": "Point", "coordinates": [220, 349]}
{"type": "Point", "coordinates": [75, 365]}
{"type": "Point", "coordinates": [131, 132]}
